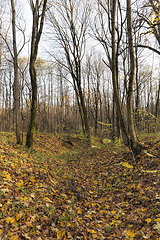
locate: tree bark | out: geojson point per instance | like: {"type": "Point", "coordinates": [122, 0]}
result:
{"type": "Point", "coordinates": [114, 78]}
{"type": "Point", "coordinates": [38, 22]}
{"type": "Point", "coordinates": [133, 137]}
{"type": "Point", "coordinates": [16, 88]}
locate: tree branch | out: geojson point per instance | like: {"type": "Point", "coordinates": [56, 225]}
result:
{"type": "Point", "coordinates": [150, 48]}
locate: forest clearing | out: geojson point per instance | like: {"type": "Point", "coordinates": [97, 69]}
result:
{"type": "Point", "coordinates": [64, 189]}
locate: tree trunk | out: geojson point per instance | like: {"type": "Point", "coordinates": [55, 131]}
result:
{"type": "Point", "coordinates": [157, 101]}
{"type": "Point", "coordinates": [133, 137]}
{"type": "Point", "coordinates": [38, 22]}
{"type": "Point", "coordinates": [32, 125]}
{"type": "Point", "coordinates": [114, 78]}
{"type": "Point", "coordinates": [16, 81]}
{"type": "Point", "coordinates": [84, 113]}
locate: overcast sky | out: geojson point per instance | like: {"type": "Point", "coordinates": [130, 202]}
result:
{"type": "Point", "coordinates": [23, 10]}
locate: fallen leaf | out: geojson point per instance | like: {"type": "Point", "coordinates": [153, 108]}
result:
{"type": "Point", "coordinates": [14, 237]}
{"type": "Point", "coordinates": [69, 235]}
{"type": "Point", "coordinates": [130, 234]}
{"type": "Point", "coordinates": [125, 164]}
{"type": "Point", "coordinates": [157, 226]}
{"type": "Point", "coordinates": [10, 220]}
{"type": "Point", "coordinates": [157, 220]}
{"type": "Point", "coordinates": [148, 220]}
{"type": "Point", "coordinates": [60, 234]}
{"type": "Point", "coordinates": [1, 232]}
{"type": "Point", "coordinates": [91, 231]}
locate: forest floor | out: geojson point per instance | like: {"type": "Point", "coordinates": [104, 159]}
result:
{"type": "Point", "coordinates": [64, 189]}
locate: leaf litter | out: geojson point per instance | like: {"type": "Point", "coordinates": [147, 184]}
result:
{"type": "Point", "coordinates": [59, 191]}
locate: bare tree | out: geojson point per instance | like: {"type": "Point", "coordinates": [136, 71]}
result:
{"type": "Point", "coordinates": [16, 89]}
{"type": "Point", "coordinates": [113, 51]}
{"type": "Point", "coordinates": [70, 26]}
{"type": "Point", "coordinates": [103, 32]}
{"type": "Point", "coordinates": [149, 13]}
{"type": "Point", "coordinates": [135, 145]}
{"type": "Point", "coordinates": [38, 11]}
{"type": "Point", "coordinates": [14, 58]}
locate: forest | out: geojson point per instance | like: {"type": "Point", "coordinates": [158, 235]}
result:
{"type": "Point", "coordinates": [79, 119]}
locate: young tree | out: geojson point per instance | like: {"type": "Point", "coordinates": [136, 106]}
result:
{"type": "Point", "coordinates": [38, 11]}
{"type": "Point", "coordinates": [104, 32]}
{"type": "Point", "coordinates": [114, 75]}
{"type": "Point", "coordinates": [14, 58]}
{"type": "Point", "coordinates": [16, 89]}
{"type": "Point", "coordinates": [133, 138]}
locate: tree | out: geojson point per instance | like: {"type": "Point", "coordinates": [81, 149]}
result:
{"type": "Point", "coordinates": [113, 51]}
{"type": "Point", "coordinates": [16, 89]}
{"type": "Point", "coordinates": [70, 25]}
{"type": "Point", "coordinates": [38, 11]}
{"type": "Point", "coordinates": [114, 76]}
{"type": "Point", "coordinates": [150, 15]}
{"type": "Point", "coordinates": [133, 138]}
{"type": "Point", "coordinates": [14, 56]}
{"type": "Point", "coordinates": [104, 32]}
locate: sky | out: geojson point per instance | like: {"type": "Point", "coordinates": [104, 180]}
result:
{"type": "Point", "coordinates": [24, 12]}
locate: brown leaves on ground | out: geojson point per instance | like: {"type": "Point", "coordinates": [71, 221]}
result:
{"type": "Point", "coordinates": [59, 191]}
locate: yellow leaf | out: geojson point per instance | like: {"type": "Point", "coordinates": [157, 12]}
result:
{"type": "Point", "coordinates": [8, 176]}
{"type": "Point", "coordinates": [69, 224]}
{"type": "Point", "coordinates": [95, 182]}
{"type": "Point", "coordinates": [91, 231]}
{"type": "Point", "coordinates": [150, 171]}
{"type": "Point", "coordinates": [1, 232]}
{"type": "Point", "coordinates": [62, 223]}
{"type": "Point", "coordinates": [19, 216]}
{"type": "Point", "coordinates": [24, 199]}
{"type": "Point", "coordinates": [125, 164]}
{"type": "Point", "coordinates": [47, 199]}
{"type": "Point", "coordinates": [113, 222]}
{"type": "Point", "coordinates": [89, 216]}
{"type": "Point", "coordinates": [8, 202]}
{"type": "Point", "coordinates": [14, 237]}
{"type": "Point", "coordinates": [10, 220]}
{"type": "Point", "coordinates": [79, 212]}
{"type": "Point", "coordinates": [157, 220]}
{"type": "Point", "coordinates": [32, 179]}
{"type": "Point", "coordinates": [95, 236]}
{"type": "Point", "coordinates": [148, 220]}
{"type": "Point", "coordinates": [148, 188]}
{"type": "Point", "coordinates": [139, 187]}
{"type": "Point", "coordinates": [29, 224]}
{"type": "Point", "coordinates": [130, 234]}
{"type": "Point", "coordinates": [69, 235]}
{"type": "Point", "coordinates": [20, 183]}
{"type": "Point", "coordinates": [113, 212]}
{"type": "Point", "coordinates": [60, 234]}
